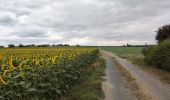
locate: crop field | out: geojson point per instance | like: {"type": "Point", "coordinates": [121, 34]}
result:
{"type": "Point", "coordinates": [41, 73]}
{"type": "Point", "coordinates": [124, 51]}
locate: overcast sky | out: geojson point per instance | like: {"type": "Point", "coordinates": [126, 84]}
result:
{"type": "Point", "coordinates": [84, 22]}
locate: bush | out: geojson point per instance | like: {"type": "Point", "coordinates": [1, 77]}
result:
{"type": "Point", "coordinates": [148, 53]}
{"type": "Point", "coordinates": [159, 56]}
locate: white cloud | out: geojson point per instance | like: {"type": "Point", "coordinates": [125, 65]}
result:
{"type": "Point", "coordinates": [77, 40]}
{"type": "Point", "coordinates": [87, 22]}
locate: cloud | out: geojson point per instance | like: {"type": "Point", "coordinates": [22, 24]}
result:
{"type": "Point", "coordinates": [87, 22]}
{"type": "Point", "coordinates": [30, 33]}
{"type": "Point", "coordinates": [7, 19]}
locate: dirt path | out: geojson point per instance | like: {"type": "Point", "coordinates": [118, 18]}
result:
{"type": "Point", "coordinates": [113, 86]}
{"type": "Point", "coordinates": [150, 85]}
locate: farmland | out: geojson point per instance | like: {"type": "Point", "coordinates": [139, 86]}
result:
{"type": "Point", "coordinates": [124, 51]}
{"type": "Point", "coordinates": [42, 73]}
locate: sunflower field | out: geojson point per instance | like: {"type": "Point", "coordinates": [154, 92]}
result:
{"type": "Point", "coordinates": [41, 73]}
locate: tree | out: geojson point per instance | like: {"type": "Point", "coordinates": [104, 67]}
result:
{"type": "Point", "coordinates": [77, 45]}
{"type": "Point", "coordinates": [128, 45]}
{"type": "Point", "coordinates": [11, 45]}
{"type": "Point", "coordinates": [66, 45]}
{"type": "Point", "coordinates": [163, 33]}
{"type": "Point", "coordinates": [20, 45]}
{"type": "Point", "coordinates": [1, 46]}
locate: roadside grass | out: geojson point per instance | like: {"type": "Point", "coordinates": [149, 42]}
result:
{"type": "Point", "coordinates": [90, 87]}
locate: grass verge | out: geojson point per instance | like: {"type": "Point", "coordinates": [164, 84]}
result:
{"type": "Point", "coordinates": [90, 86]}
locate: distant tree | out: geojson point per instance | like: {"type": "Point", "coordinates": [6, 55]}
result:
{"type": "Point", "coordinates": [77, 45]}
{"type": "Point", "coordinates": [123, 45]}
{"type": "Point", "coordinates": [66, 45]}
{"type": "Point", "coordinates": [43, 45]}
{"type": "Point", "coordinates": [32, 45]}
{"type": "Point", "coordinates": [53, 45]}
{"type": "Point", "coordinates": [1, 46]}
{"type": "Point", "coordinates": [60, 44]}
{"type": "Point", "coordinates": [11, 45]}
{"type": "Point", "coordinates": [163, 33]}
{"type": "Point", "coordinates": [20, 46]}
{"type": "Point", "coordinates": [128, 45]}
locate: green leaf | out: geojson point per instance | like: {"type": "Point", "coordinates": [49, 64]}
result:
{"type": "Point", "coordinates": [31, 89]}
{"type": "Point", "coordinates": [1, 97]}
{"type": "Point", "coordinates": [27, 85]}
{"type": "Point", "coordinates": [42, 91]}
{"type": "Point", "coordinates": [58, 92]}
{"type": "Point", "coordinates": [22, 82]}
{"type": "Point", "coordinates": [17, 76]}
{"type": "Point", "coordinates": [7, 93]}
{"type": "Point", "coordinates": [42, 84]}
{"type": "Point", "coordinates": [49, 84]}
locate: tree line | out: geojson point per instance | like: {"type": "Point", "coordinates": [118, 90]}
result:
{"type": "Point", "coordinates": [33, 45]}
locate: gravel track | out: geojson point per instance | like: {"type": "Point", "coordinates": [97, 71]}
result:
{"type": "Point", "coordinates": [150, 85]}
{"type": "Point", "coordinates": [113, 86]}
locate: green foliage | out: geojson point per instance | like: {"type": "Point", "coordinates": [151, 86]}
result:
{"type": "Point", "coordinates": [90, 88]}
{"type": "Point", "coordinates": [148, 52]}
{"type": "Point", "coordinates": [163, 33]}
{"type": "Point", "coordinates": [159, 56]}
{"type": "Point", "coordinates": [11, 45]}
{"type": "Point", "coordinates": [33, 75]}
